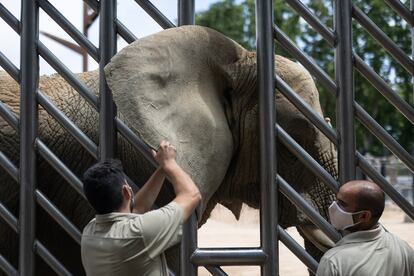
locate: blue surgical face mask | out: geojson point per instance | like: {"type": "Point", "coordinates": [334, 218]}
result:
{"type": "Point", "coordinates": [341, 219]}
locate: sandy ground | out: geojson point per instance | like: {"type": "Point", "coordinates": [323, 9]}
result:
{"type": "Point", "coordinates": [223, 230]}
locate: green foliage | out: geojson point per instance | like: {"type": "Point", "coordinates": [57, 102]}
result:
{"type": "Point", "coordinates": [236, 19]}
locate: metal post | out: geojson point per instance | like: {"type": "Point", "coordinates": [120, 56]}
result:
{"type": "Point", "coordinates": [345, 97]}
{"type": "Point", "coordinates": [29, 65]}
{"type": "Point", "coordinates": [186, 12]}
{"type": "Point", "coordinates": [267, 115]}
{"type": "Point", "coordinates": [188, 246]}
{"type": "Point", "coordinates": [107, 48]}
{"type": "Point", "coordinates": [85, 23]}
{"type": "Point", "coordinates": [412, 57]}
{"type": "Point", "coordinates": [186, 16]}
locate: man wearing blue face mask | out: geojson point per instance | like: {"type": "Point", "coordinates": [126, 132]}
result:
{"type": "Point", "coordinates": [367, 248]}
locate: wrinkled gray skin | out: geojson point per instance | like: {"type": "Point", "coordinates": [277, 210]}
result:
{"type": "Point", "coordinates": [198, 89]}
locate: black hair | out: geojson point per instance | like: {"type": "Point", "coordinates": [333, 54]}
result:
{"type": "Point", "coordinates": [102, 184]}
{"type": "Point", "coordinates": [372, 198]}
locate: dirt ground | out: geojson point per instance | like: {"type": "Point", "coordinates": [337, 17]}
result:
{"type": "Point", "coordinates": [223, 230]}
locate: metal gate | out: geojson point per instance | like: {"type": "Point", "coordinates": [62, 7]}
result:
{"type": "Point", "coordinates": [191, 255]}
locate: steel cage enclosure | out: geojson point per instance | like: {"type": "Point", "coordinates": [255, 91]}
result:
{"type": "Point", "coordinates": [191, 256]}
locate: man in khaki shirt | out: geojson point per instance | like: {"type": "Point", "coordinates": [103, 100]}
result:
{"type": "Point", "coordinates": [367, 248]}
{"type": "Point", "coordinates": [125, 237]}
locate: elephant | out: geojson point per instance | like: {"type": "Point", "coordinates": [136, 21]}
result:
{"type": "Point", "coordinates": [198, 89]}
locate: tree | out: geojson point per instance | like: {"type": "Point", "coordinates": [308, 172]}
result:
{"type": "Point", "coordinates": [236, 20]}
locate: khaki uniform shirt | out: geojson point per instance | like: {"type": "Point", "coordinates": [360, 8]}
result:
{"type": "Point", "coordinates": [366, 253]}
{"type": "Point", "coordinates": [120, 244]}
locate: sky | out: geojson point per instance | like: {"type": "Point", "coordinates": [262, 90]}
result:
{"type": "Point", "coordinates": [128, 12]}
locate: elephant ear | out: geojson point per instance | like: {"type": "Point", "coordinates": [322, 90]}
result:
{"type": "Point", "coordinates": [164, 88]}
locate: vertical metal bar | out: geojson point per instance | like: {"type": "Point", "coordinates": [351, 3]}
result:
{"type": "Point", "coordinates": [267, 116]}
{"type": "Point", "coordinates": [188, 246]}
{"type": "Point", "coordinates": [29, 65]}
{"type": "Point", "coordinates": [107, 48]}
{"type": "Point", "coordinates": [186, 12]}
{"type": "Point", "coordinates": [412, 99]}
{"type": "Point", "coordinates": [186, 16]}
{"type": "Point", "coordinates": [86, 23]}
{"type": "Point", "coordinates": [345, 98]}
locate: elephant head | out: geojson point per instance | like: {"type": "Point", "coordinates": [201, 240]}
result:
{"type": "Point", "coordinates": [197, 88]}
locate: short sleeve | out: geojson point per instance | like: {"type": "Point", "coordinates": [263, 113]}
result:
{"type": "Point", "coordinates": [326, 268]}
{"type": "Point", "coordinates": [162, 228]}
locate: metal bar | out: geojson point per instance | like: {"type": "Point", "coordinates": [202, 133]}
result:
{"type": "Point", "coordinates": [304, 11]}
{"type": "Point", "coordinates": [29, 65]}
{"type": "Point", "coordinates": [385, 185]}
{"type": "Point", "coordinates": [123, 31]}
{"type": "Point", "coordinates": [9, 167]}
{"type": "Point", "coordinates": [215, 270]}
{"type": "Point", "coordinates": [65, 122]}
{"type": "Point", "coordinates": [156, 14]}
{"type": "Point", "coordinates": [306, 61]}
{"type": "Point", "coordinates": [401, 57]}
{"type": "Point", "coordinates": [186, 12]}
{"type": "Point", "coordinates": [61, 168]}
{"type": "Point", "coordinates": [304, 107]}
{"type": "Point", "coordinates": [267, 134]}
{"type": "Point", "coordinates": [229, 256]}
{"type": "Point", "coordinates": [66, 25]}
{"type": "Point", "coordinates": [306, 159]}
{"type": "Point", "coordinates": [9, 116]}
{"type": "Point", "coordinates": [384, 137]}
{"type": "Point", "coordinates": [71, 78]}
{"type": "Point", "coordinates": [188, 247]}
{"type": "Point", "coordinates": [384, 89]}
{"type": "Point", "coordinates": [135, 141]}
{"type": "Point", "coordinates": [107, 48]}
{"type": "Point", "coordinates": [298, 250]}
{"type": "Point", "coordinates": [402, 10]}
{"type": "Point", "coordinates": [9, 218]}
{"type": "Point", "coordinates": [7, 267]}
{"type": "Point", "coordinates": [304, 206]}
{"type": "Point", "coordinates": [10, 19]}
{"type": "Point", "coordinates": [10, 68]}
{"type": "Point", "coordinates": [93, 4]}
{"type": "Point", "coordinates": [345, 99]}
{"type": "Point", "coordinates": [54, 212]}
{"type": "Point", "coordinates": [50, 259]}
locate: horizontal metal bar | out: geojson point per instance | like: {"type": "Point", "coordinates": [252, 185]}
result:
{"type": "Point", "coordinates": [61, 168]}
{"type": "Point", "coordinates": [215, 270]}
{"type": "Point", "coordinates": [66, 25]}
{"type": "Point", "coordinates": [71, 78]}
{"type": "Point", "coordinates": [124, 32]}
{"type": "Point", "coordinates": [298, 250]}
{"type": "Point", "coordinates": [308, 210]}
{"type": "Point", "coordinates": [9, 218]}
{"type": "Point", "coordinates": [10, 19]}
{"type": "Point", "coordinates": [406, 109]}
{"type": "Point", "coordinates": [307, 62]}
{"type": "Point", "coordinates": [402, 10]}
{"type": "Point", "coordinates": [304, 107]}
{"type": "Point", "coordinates": [383, 39]}
{"type": "Point", "coordinates": [9, 116]}
{"type": "Point", "coordinates": [384, 136]}
{"type": "Point", "coordinates": [306, 159]}
{"type": "Point", "coordinates": [385, 185]}
{"type": "Point", "coordinates": [60, 218]}
{"type": "Point", "coordinates": [156, 14]}
{"type": "Point", "coordinates": [10, 68]}
{"type": "Point", "coordinates": [314, 21]}
{"type": "Point", "coordinates": [7, 267]}
{"type": "Point", "coordinates": [10, 168]}
{"type": "Point", "coordinates": [64, 121]}
{"type": "Point", "coordinates": [228, 256]}
{"type": "Point", "coordinates": [41, 250]}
